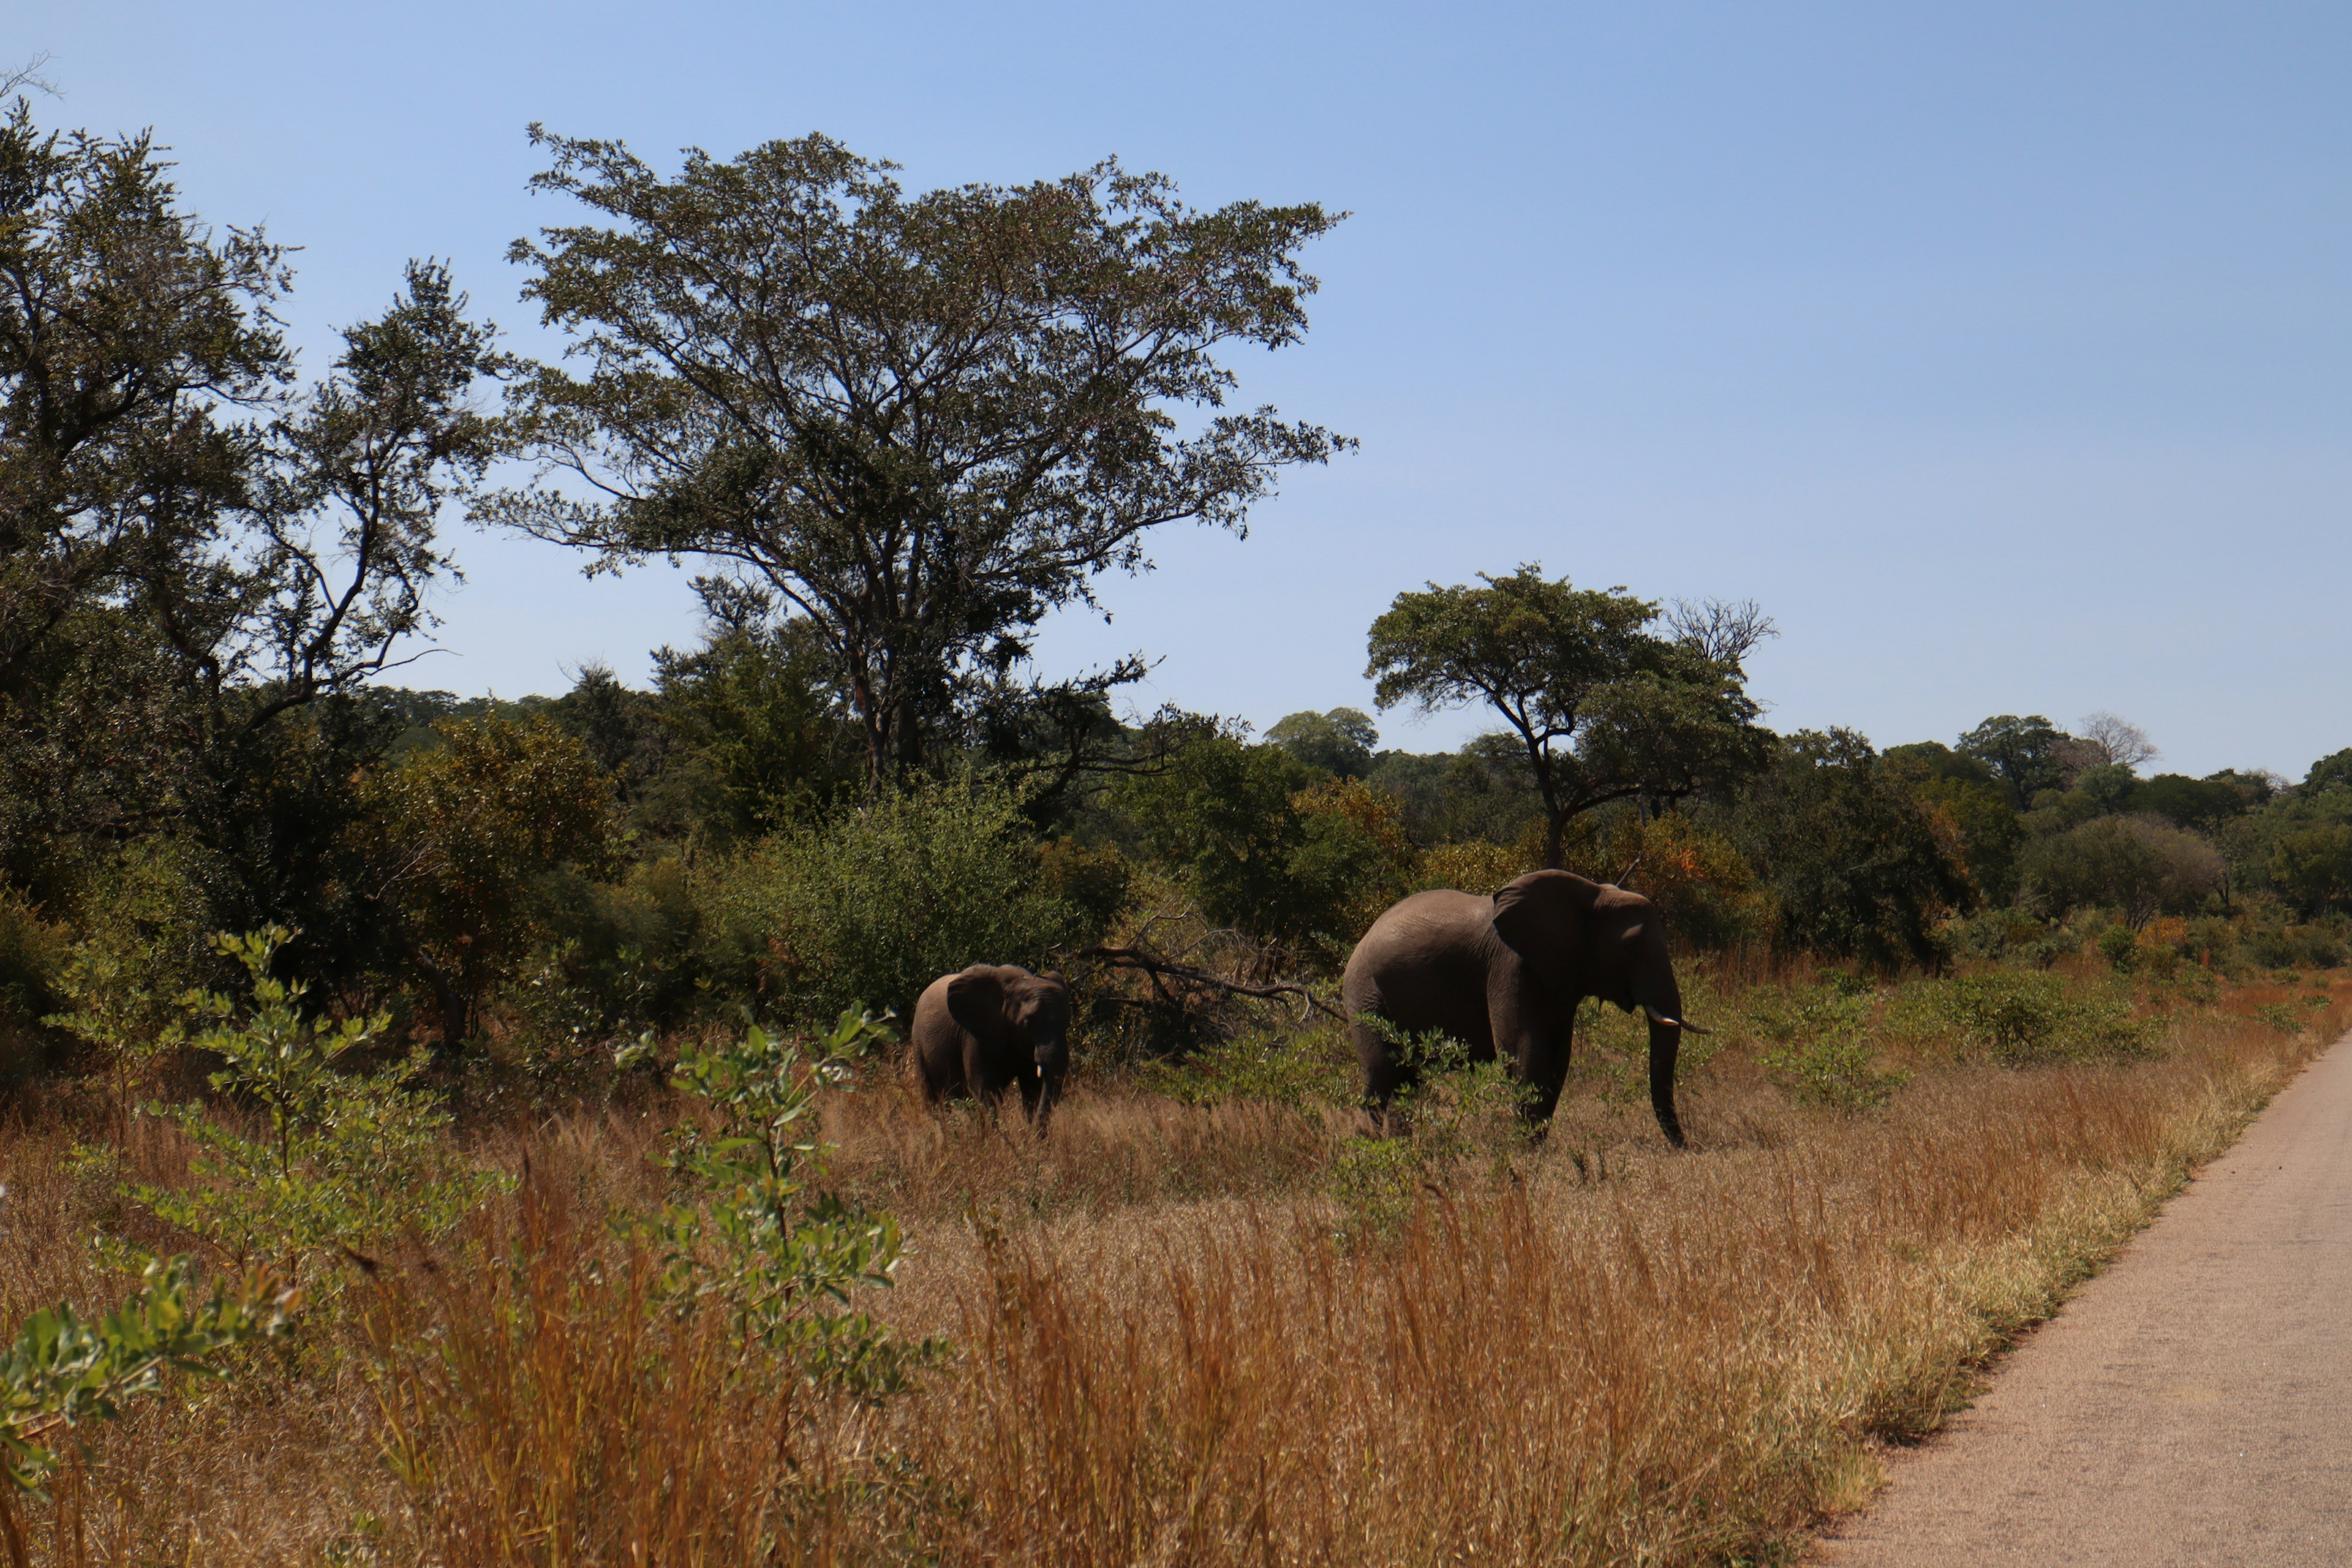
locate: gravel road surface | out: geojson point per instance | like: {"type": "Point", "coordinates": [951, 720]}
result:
{"type": "Point", "coordinates": [2191, 1405]}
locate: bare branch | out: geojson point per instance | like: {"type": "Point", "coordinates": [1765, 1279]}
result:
{"type": "Point", "coordinates": [1726, 631]}
{"type": "Point", "coordinates": [28, 75]}
{"type": "Point", "coordinates": [2118, 741]}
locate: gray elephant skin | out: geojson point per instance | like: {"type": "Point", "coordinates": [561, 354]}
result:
{"type": "Point", "coordinates": [1505, 975]}
{"type": "Point", "coordinates": [993, 1027]}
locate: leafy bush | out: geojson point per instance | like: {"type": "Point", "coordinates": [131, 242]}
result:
{"type": "Point", "coordinates": [1267, 850]}
{"type": "Point", "coordinates": [2312, 867]}
{"type": "Point", "coordinates": [1857, 864]}
{"type": "Point", "coordinates": [1452, 1110]}
{"type": "Point", "coordinates": [1097, 882]}
{"type": "Point", "coordinates": [63, 1369]}
{"type": "Point", "coordinates": [144, 942]}
{"type": "Point", "coordinates": [878, 903]}
{"type": "Point", "coordinates": [782, 1258]}
{"type": "Point", "coordinates": [1820, 1052]}
{"type": "Point", "coordinates": [347, 1160]}
{"type": "Point", "coordinates": [1475, 865]}
{"type": "Point", "coordinates": [1375, 1182]}
{"type": "Point", "coordinates": [2139, 866]}
{"type": "Point", "coordinates": [474, 829]}
{"type": "Point", "coordinates": [2277, 946]}
{"type": "Point", "coordinates": [620, 957]}
{"type": "Point", "coordinates": [2017, 1018]}
{"type": "Point", "coordinates": [2294, 1017]}
{"type": "Point", "coordinates": [1276, 1066]}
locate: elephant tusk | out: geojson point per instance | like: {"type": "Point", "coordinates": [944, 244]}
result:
{"type": "Point", "coordinates": [1658, 1017]}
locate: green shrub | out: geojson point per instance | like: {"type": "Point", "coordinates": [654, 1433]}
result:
{"type": "Point", "coordinates": [2294, 1017]}
{"type": "Point", "coordinates": [1376, 1181]}
{"type": "Point", "coordinates": [2017, 1018]}
{"type": "Point", "coordinates": [621, 957]}
{"type": "Point", "coordinates": [345, 1161]}
{"type": "Point", "coordinates": [2314, 946]}
{"type": "Point", "coordinates": [63, 1369]}
{"type": "Point", "coordinates": [876, 903]}
{"type": "Point", "coordinates": [144, 942]}
{"type": "Point", "coordinates": [779, 1255]}
{"type": "Point", "coordinates": [1276, 1067]}
{"type": "Point", "coordinates": [1821, 1052]}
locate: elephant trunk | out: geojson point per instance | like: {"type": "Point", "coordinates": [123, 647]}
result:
{"type": "Point", "coordinates": [1047, 1054]}
{"type": "Point", "coordinates": [1666, 1041]}
{"type": "Point", "coordinates": [1662, 1000]}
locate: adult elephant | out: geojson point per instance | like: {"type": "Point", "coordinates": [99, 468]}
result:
{"type": "Point", "coordinates": [1506, 975]}
{"type": "Point", "coordinates": [993, 1027]}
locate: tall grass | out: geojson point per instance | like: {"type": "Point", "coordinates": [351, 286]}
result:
{"type": "Point", "coordinates": [1173, 1346]}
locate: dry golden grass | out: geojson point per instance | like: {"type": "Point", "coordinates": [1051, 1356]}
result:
{"type": "Point", "coordinates": [1592, 1351]}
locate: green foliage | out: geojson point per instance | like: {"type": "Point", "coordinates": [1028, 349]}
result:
{"type": "Point", "coordinates": [32, 958]}
{"type": "Point", "coordinates": [749, 396]}
{"type": "Point", "coordinates": [141, 949]}
{"type": "Point", "coordinates": [2289, 1017]}
{"type": "Point", "coordinates": [2138, 867]}
{"type": "Point", "coordinates": [1452, 1110]}
{"type": "Point", "coordinates": [1603, 708]}
{"type": "Point", "coordinates": [63, 1369]}
{"type": "Point", "coordinates": [1480, 793]}
{"type": "Point", "coordinates": [344, 1160]}
{"type": "Point", "coordinates": [760, 740]}
{"type": "Point", "coordinates": [2312, 867]}
{"type": "Point", "coordinates": [2028, 755]}
{"type": "Point", "coordinates": [472, 832]}
{"type": "Point", "coordinates": [1267, 852]}
{"type": "Point", "coordinates": [1821, 1049]}
{"type": "Point", "coordinates": [1221, 815]}
{"type": "Point", "coordinates": [2274, 944]}
{"type": "Point", "coordinates": [878, 903]}
{"type": "Point", "coordinates": [1376, 1182]}
{"type": "Point", "coordinates": [1096, 881]}
{"type": "Point", "coordinates": [2329, 773]}
{"type": "Point", "coordinates": [2020, 1018]}
{"type": "Point", "coordinates": [1858, 865]}
{"type": "Point", "coordinates": [195, 553]}
{"type": "Point", "coordinates": [2202, 804]}
{"type": "Point", "coordinates": [1339, 742]}
{"type": "Point", "coordinates": [762, 1242]}
{"type": "Point", "coordinates": [1274, 1067]}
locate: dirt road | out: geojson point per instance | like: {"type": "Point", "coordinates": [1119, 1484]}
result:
{"type": "Point", "coordinates": [2192, 1406]}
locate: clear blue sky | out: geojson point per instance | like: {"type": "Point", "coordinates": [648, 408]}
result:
{"type": "Point", "coordinates": [2003, 350]}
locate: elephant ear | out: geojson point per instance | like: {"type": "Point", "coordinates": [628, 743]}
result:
{"type": "Point", "coordinates": [1542, 912]}
{"type": "Point", "coordinates": [976, 1001]}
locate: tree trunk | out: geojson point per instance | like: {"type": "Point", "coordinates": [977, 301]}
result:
{"type": "Point", "coordinates": [456, 1020]}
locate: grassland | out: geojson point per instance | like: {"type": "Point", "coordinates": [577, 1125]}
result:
{"type": "Point", "coordinates": [1203, 1320]}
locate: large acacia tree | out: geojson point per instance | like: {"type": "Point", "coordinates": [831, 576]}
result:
{"type": "Point", "coordinates": [1603, 708]}
{"type": "Point", "coordinates": [922, 422]}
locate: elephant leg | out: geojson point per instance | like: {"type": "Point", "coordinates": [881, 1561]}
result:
{"type": "Point", "coordinates": [1384, 1074]}
{"type": "Point", "coordinates": [1535, 1044]}
{"type": "Point", "coordinates": [1543, 1067]}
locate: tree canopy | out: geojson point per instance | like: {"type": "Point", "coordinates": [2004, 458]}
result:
{"type": "Point", "coordinates": [192, 546]}
{"type": "Point", "coordinates": [1603, 708]}
{"type": "Point", "coordinates": [922, 422]}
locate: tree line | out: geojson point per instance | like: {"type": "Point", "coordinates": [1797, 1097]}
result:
{"type": "Point", "coordinates": [895, 431]}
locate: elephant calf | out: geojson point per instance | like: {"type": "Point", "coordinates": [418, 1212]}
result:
{"type": "Point", "coordinates": [993, 1027]}
{"type": "Point", "coordinates": [1505, 975]}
